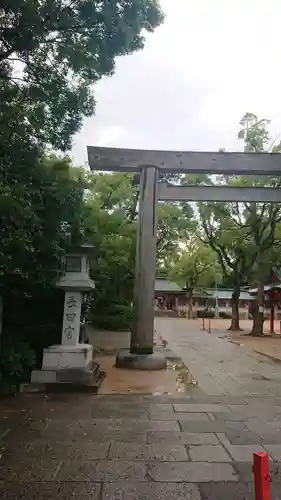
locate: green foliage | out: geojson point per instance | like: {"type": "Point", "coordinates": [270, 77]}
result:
{"type": "Point", "coordinates": [51, 53]}
{"type": "Point", "coordinates": [205, 313]}
{"type": "Point", "coordinates": [40, 204]}
{"type": "Point", "coordinates": [38, 213]}
{"type": "Point", "coordinates": [109, 223]}
{"type": "Point", "coordinates": [16, 363]}
{"type": "Point", "coordinates": [174, 224]}
{"type": "Point", "coordinates": [196, 266]}
{"type": "Point", "coordinates": [114, 317]}
{"type": "Point", "coordinates": [224, 315]}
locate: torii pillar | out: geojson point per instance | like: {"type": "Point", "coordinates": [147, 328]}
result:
{"type": "Point", "coordinates": [141, 355]}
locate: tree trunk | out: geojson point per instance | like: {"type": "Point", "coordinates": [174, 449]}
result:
{"type": "Point", "coordinates": [235, 320]}
{"type": "Point", "coordinates": [190, 304]}
{"type": "Point", "coordinates": [257, 312]}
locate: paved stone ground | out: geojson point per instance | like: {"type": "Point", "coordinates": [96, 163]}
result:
{"type": "Point", "coordinates": [188, 447]}
{"type": "Point", "coordinates": [136, 447]}
{"type": "Point", "coordinates": [220, 366]}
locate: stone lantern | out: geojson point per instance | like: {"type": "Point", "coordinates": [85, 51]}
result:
{"type": "Point", "coordinates": [70, 362]}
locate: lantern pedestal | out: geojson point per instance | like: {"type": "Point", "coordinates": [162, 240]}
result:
{"type": "Point", "coordinates": [71, 363]}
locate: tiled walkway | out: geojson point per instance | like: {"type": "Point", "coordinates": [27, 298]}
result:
{"type": "Point", "coordinates": [115, 447]}
{"type": "Point", "coordinates": [137, 447]}
{"type": "Point", "coordinates": [220, 367]}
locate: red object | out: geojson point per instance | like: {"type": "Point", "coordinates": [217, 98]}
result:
{"type": "Point", "coordinates": [261, 476]}
{"type": "Point", "coordinates": [271, 319]}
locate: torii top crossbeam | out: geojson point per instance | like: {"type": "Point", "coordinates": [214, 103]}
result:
{"type": "Point", "coordinates": [133, 160]}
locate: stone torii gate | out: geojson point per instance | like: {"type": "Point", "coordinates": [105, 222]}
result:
{"type": "Point", "coordinates": [149, 164]}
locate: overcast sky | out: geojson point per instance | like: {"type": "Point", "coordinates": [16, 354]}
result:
{"type": "Point", "coordinates": [210, 62]}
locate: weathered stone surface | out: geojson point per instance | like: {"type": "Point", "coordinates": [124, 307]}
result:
{"type": "Point", "coordinates": [223, 491]}
{"type": "Point", "coordinates": [151, 491]}
{"type": "Point", "coordinates": [245, 474]}
{"type": "Point", "coordinates": [120, 412]}
{"type": "Point", "coordinates": [199, 427]}
{"type": "Point", "coordinates": [242, 436]}
{"type": "Point", "coordinates": [105, 470]}
{"type": "Point", "coordinates": [49, 490]}
{"type": "Point", "coordinates": [187, 417]}
{"type": "Point", "coordinates": [240, 453]}
{"type": "Point", "coordinates": [29, 469]}
{"type": "Point", "coordinates": [86, 449]}
{"type": "Point", "coordinates": [201, 408]}
{"type": "Point", "coordinates": [129, 424]}
{"type": "Point", "coordinates": [244, 471]}
{"type": "Point", "coordinates": [193, 472]}
{"type": "Point", "coordinates": [182, 438]}
{"type": "Point", "coordinates": [256, 410]}
{"type": "Point", "coordinates": [274, 450]}
{"type": "Point", "coordinates": [158, 452]}
{"type": "Point", "coordinates": [206, 453]}
{"type": "Point", "coordinates": [106, 436]}
{"type": "Point", "coordinates": [229, 417]}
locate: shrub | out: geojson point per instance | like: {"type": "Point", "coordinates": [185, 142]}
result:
{"type": "Point", "coordinates": [113, 317]}
{"type": "Point", "coordinates": [206, 313]}
{"type": "Point", "coordinates": [16, 364]}
{"type": "Point", "coordinates": [225, 315]}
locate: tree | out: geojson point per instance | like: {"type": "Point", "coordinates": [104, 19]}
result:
{"type": "Point", "coordinates": [51, 53]}
{"type": "Point", "coordinates": [262, 219]}
{"type": "Point", "coordinates": [244, 235]}
{"type": "Point", "coordinates": [231, 242]}
{"type": "Point", "coordinates": [173, 228]}
{"type": "Point", "coordinates": [110, 224]}
{"type": "Point", "coordinates": [196, 267]}
{"type": "Point", "coordinates": [39, 216]}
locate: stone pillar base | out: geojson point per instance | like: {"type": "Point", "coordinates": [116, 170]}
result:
{"type": "Point", "coordinates": [67, 365]}
{"type": "Point", "coordinates": [64, 357]}
{"type": "Point", "coordinates": [127, 360]}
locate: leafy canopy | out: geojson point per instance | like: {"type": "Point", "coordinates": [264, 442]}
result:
{"type": "Point", "coordinates": [52, 51]}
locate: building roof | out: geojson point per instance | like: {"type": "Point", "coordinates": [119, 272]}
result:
{"type": "Point", "coordinates": [165, 285]}
{"type": "Point", "coordinates": [226, 293]}
{"type": "Point", "coordinates": [267, 288]}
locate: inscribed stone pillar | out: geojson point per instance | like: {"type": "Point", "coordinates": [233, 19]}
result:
{"type": "Point", "coordinates": [143, 318]}
{"type": "Point", "coordinates": [71, 318]}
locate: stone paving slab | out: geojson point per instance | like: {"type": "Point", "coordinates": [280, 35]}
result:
{"type": "Point", "coordinates": [134, 424]}
{"type": "Point", "coordinates": [245, 473]}
{"type": "Point", "coordinates": [207, 453]}
{"type": "Point", "coordinates": [201, 408]}
{"type": "Point", "coordinates": [145, 491]}
{"type": "Point", "coordinates": [211, 426]}
{"type": "Point", "coordinates": [49, 491]}
{"type": "Point", "coordinates": [274, 450]}
{"type": "Point", "coordinates": [104, 470]}
{"type": "Point", "coordinates": [182, 438]}
{"type": "Point", "coordinates": [229, 491]}
{"type": "Point", "coordinates": [187, 417]}
{"type": "Point", "coordinates": [240, 453]}
{"type": "Point", "coordinates": [28, 469]}
{"type": "Point", "coordinates": [87, 447]}
{"type": "Point", "coordinates": [192, 472]}
{"type": "Point", "coordinates": [242, 436]}
{"type": "Point", "coordinates": [156, 452]}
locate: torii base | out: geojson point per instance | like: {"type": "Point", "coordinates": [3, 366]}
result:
{"type": "Point", "coordinates": [130, 361]}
